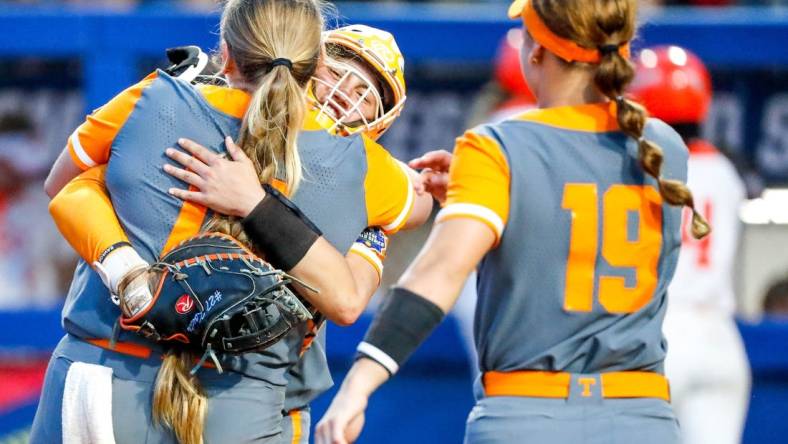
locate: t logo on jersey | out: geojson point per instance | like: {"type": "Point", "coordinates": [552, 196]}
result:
{"type": "Point", "coordinates": [184, 304]}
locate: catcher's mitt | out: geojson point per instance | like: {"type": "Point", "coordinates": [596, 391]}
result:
{"type": "Point", "coordinates": [212, 294]}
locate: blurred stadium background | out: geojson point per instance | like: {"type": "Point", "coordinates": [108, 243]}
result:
{"type": "Point", "coordinates": [62, 58]}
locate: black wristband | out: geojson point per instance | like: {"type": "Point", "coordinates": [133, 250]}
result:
{"type": "Point", "coordinates": [279, 229]}
{"type": "Point", "coordinates": [402, 323]}
{"type": "Point", "coordinates": [112, 248]}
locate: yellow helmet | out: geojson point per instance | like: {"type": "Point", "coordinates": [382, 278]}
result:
{"type": "Point", "coordinates": [379, 51]}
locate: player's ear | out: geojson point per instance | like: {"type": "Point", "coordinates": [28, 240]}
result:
{"type": "Point", "coordinates": [228, 65]}
{"type": "Point", "coordinates": [536, 54]}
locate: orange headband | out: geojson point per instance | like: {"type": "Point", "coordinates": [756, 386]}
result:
{"type": "Point", "coordinates": [563, 48]}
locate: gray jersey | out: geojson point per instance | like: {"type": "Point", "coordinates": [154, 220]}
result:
{"type": "Point", "coordinates": [587, 248]}
{"type": "Point", "coordinates": [335, 194]}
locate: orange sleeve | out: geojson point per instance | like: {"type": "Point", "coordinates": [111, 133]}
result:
{"type": "Point", "coordinates": [85, 217]}
{"type": "Point", "coordinates": [389, 191]}
{"type": "Point", "coordinates": [478, 183]}
{"type": "Point", "coordinates": [90, 143]}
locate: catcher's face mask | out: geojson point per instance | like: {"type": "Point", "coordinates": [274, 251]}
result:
{"type": "Point", "coordinates": [348, 95]}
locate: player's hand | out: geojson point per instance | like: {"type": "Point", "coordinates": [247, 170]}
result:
{"type": "Point", "coordinates": [226, 186]}
{"type": "Point", "coordinates": [434, 174]}
{"type": "Point", "coordinates": [134, 294]}
{"type": "Point", "coordinates": [343, 421]}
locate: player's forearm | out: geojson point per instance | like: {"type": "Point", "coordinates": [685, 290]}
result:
{"type": "Point", "coordinates": [444, 263]}
{"type": "Point", "coordinates": [326, 269]}
{"type": "Point", "coordinates": [364, 377]}
{"type": "Point", "coordinates": [85, 217]}
{"type": "Point", "coordinates": [426, 292]}
{"type": "Point", "coordinates": [63, 171]}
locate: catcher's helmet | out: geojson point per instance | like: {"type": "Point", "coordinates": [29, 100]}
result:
{"type": "Point", "coordinates": [673, 84]}
{"type": "Point", "coordinates": [508, 73]}
{"type": "Point", "coordinates": [378, 50]}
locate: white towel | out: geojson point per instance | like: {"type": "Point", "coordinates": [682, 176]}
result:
{"type": "Point", "coordinates": [87, 405]}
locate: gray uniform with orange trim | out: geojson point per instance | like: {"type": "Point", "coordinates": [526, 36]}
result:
{"type": "Point", "coordinates": [575, 290]}
{"type": "Point", "coordinates": [339, 193]}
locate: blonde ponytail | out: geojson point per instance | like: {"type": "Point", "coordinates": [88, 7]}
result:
{"type": "Point", "coordinates": [178, 399]}
{"type": "Point", "coordinates": [270, 129]}
{"type": "Point", "coordinates": [256, 32]}
{"type": "Point", "coordinates": [606, 25]}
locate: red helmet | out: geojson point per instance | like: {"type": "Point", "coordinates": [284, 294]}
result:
{"type": "Point", "coordinates": [673, 84]}
{"type": "Point", "coordinates": [507, 65]}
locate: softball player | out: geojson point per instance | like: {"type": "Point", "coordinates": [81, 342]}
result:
{"type": "Point", "coordinates": [321, 153]}
{"type": "Point", "coordinates": [706, 361]}
{"type": "Point", "coordinates": [574, 211]}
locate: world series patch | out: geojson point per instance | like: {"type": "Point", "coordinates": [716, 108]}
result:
{"type": "Point", "coordinates": [374, 239]}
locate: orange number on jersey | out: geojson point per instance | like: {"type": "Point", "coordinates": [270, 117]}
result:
{"type": "Point", "coordinates": [581, 200]}
{"type": "Point", "coordinates": [619, 203]}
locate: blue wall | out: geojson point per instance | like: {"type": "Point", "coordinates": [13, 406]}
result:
{"type": "Point", "coordinates": [110, 43]}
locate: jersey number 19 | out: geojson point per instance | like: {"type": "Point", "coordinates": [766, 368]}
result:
{"type": "Point", "coordinates": [619, 203]}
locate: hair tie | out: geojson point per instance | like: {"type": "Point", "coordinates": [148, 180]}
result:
{"type": "Point", "coordinates": [280, 62]}
{"type": "Point", "coordinates": [621, 100]}
{"type": "Point", "coordinates": [605, 50]}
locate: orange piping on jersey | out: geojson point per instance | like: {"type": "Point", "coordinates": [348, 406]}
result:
{"type": "Point", "coordinates": [410, 203]}
{"type": "Point", "coordinates": [189, 223]}
{"type": "Point", "coordinates": [295, 416]}
{"type": "Point", "coordinates": [90, 143]}
{"type": "Point", "coordinates": [230, 101]}
{"type": "Point", "coordinates": [541, 384]}
{"type": "Point", "coordinates": [126, 348]}
{"type": "Point", "coordinates": [135, 350]}
{"type": "Point", "coordinates": [592, 118]}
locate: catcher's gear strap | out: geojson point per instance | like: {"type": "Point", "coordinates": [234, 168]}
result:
{"type": "Point", "coordinates": [278, 228]}
{"type": "Point", "coordinates": [404, 320]}
{"type": "Point", "coordinates": [187, 62]}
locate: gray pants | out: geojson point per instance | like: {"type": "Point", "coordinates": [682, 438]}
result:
{"type": "Point", "coordinates": [295, 427]}
{"type": "Point", "coordinates": [576, 420]}
{"type": "Point", "coordinates": [240, 409]}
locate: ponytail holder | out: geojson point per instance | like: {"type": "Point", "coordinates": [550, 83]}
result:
{"type": "Point", "coordinates": [606, 50]}
{"type": "Point", "coordinates": [621, 100]}
{"type": "Point", "coordinates": [280, 62]}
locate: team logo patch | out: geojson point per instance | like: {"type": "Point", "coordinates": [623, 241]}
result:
{"type": "Point", "coordinates": [184, 304]}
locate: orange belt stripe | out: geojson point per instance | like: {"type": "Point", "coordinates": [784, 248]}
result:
{"type": "Point", "coordinates": [126, 348]}
{"type": "Point", "coordinates": [135, 350]}
{"type": "Point", "coordinates": [539, 384]}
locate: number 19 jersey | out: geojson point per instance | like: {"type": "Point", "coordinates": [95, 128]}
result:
{"type": "Point", "coordinates": [585, 246]}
